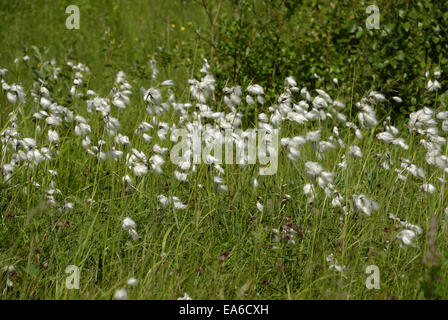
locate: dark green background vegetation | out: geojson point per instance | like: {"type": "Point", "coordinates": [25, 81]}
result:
{"type": "Point", "coordinates": [255, 41]}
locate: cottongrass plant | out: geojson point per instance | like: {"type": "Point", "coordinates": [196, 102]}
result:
{"type": "Point", "coordinates": [101, 166]}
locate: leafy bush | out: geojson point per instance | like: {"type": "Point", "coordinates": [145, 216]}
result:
{"type": "Point", "coordinates": [316, 41]}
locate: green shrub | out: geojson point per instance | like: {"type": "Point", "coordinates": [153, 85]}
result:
{"type": "Point", "coordinates": [265, 41]}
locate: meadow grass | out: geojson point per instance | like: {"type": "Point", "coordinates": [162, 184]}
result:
{"type": "Point", "coordinates": [221, 246]}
